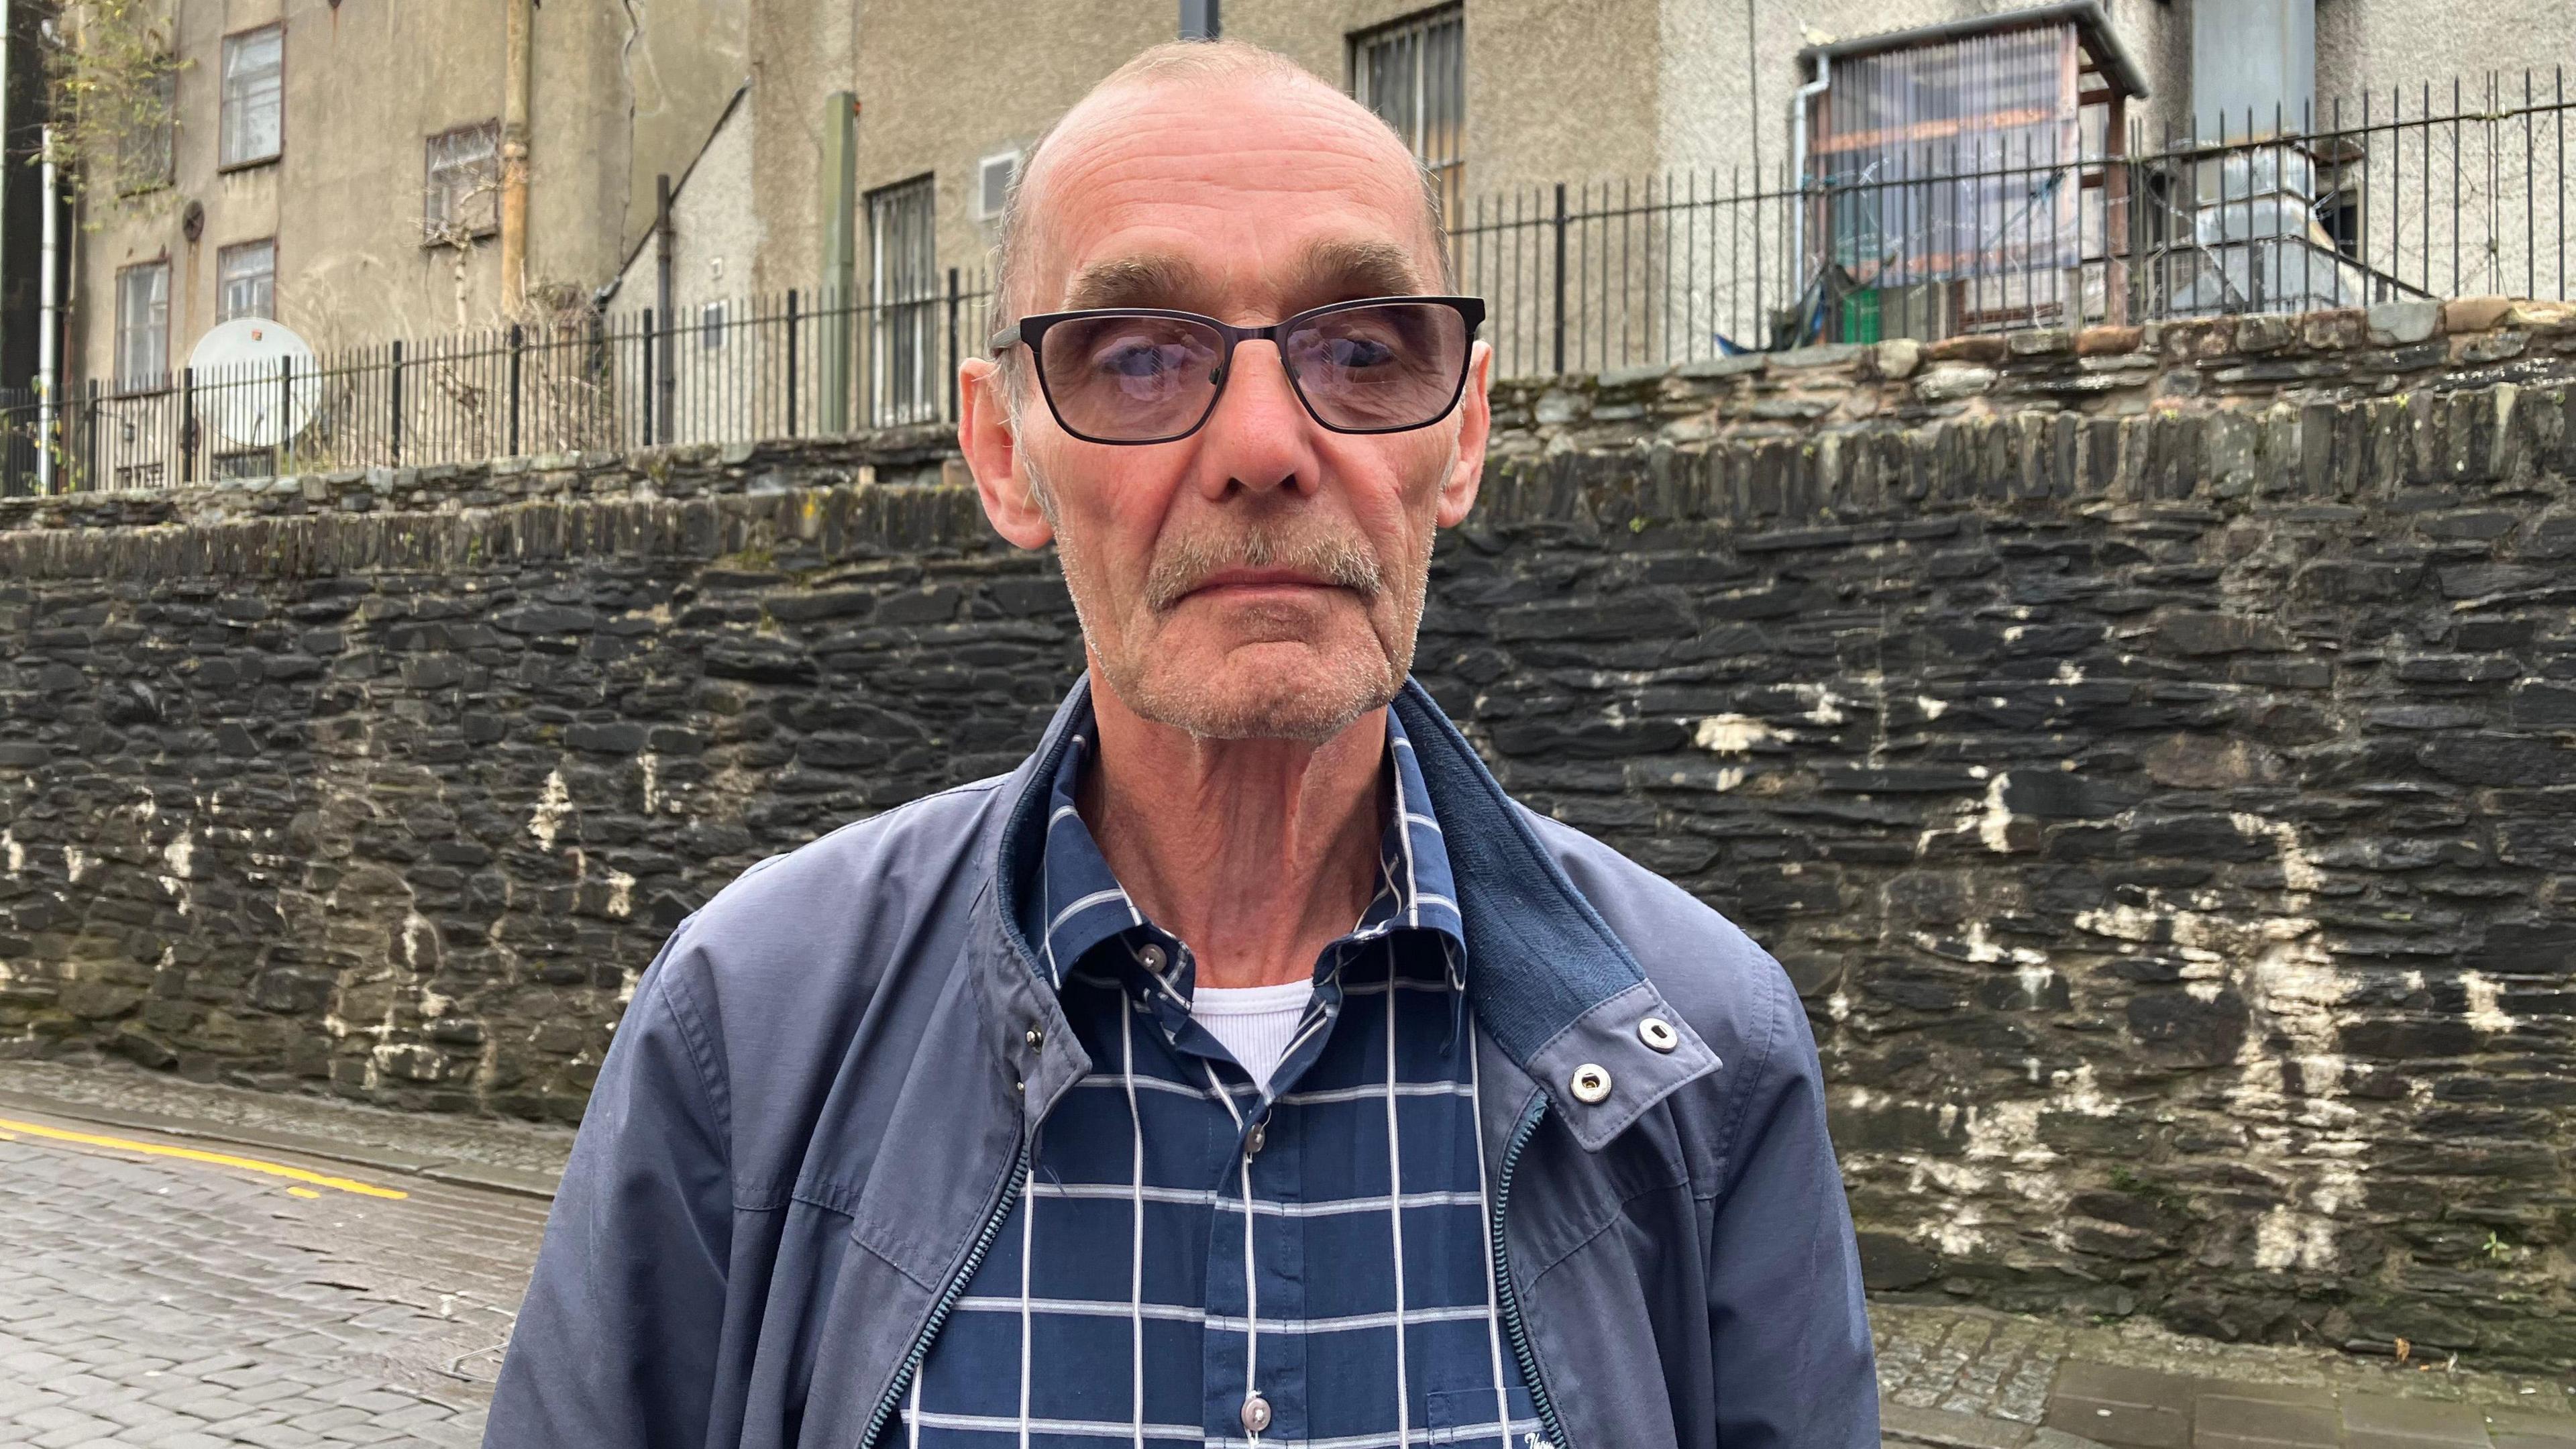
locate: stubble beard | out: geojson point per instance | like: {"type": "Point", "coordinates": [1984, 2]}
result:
{"type": "Point", "coordinates": [1309, 705]}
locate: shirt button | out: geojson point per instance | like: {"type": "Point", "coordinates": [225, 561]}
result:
{"type": "Point", "coordinates": [1591, 1084]}
{"type": "Point", "coordinates": [1260, 1134]}
{"type": "Point", "coordinates": [1036, 1038]}
{"type": "Point", "coordinates": [1658, 1033]}
{"type": "Point", "coordinates": [1150, 956]}
{"type": "Point", "coordinates": [1256, 1414]}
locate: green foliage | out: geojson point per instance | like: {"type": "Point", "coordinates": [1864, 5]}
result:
{"type": "Point", "coordinates": [113, 74]}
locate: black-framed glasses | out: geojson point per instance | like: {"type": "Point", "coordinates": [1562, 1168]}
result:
{"type": "Point", "coordinates": [1146, 375]}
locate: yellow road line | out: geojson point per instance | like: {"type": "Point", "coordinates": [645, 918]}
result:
{"type": "Point", "coordinates": [219, 1159]}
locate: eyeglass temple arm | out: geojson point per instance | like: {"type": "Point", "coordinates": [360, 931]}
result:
{"type": "Point", "coordinates": [1007, 337]}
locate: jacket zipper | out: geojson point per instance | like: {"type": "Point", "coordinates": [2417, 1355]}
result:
{"type": "Point", "coordinates": [948, 1298]}
{"type": "Point", "coordinates": [1510, 1300]}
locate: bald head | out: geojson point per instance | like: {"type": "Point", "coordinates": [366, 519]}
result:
{"type": "Point", "coordinates": [1221, 113]}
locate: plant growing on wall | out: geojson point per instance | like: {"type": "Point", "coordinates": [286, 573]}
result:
{"type": "Point", "coordinates": [113, 72]}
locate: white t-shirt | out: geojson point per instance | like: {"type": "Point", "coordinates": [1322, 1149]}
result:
{"type": "Point", "coordinates": [1254, 1023]}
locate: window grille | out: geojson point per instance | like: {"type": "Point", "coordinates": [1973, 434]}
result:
{"type": "Point", "coordinates": [147, 151]}
{"type": "Point", "coordinates": [1413, 72]}
{"type": "Point", "coordinates": [461, 193]}
{"type": "Point", "coordinates": [903, 249]}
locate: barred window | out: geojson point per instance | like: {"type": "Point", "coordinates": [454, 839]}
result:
{"type": "Point", "coordinates": [903, 252]}
{"type": "Point", "coordinates": [461, 193]}
{"type": "Point", "coordinates": [1413, 73]}
{"type": "Point", "coordinates": [253, 97]}
{"type": "Point", "coordinates": [143, 325]}
{"type": "Point", "coordinates": [147, 151]}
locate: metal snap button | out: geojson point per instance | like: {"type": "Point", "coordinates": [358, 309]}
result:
{"type": "Point", "coordinates": [1037, 1038]}
{"type": "Point", "coordinates": [1252, 1144]}
{"type": "Point", "coordinates": [1150, 956]}
{"type": "Point", "coordinates": [1591, 1084]}
{"type": "Point", "coordinates": [1256, 1414]}
{"type": "Point", "coordinates": [1658, 1033]}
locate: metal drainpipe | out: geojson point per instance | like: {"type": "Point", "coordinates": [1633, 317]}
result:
{"type": "Point", "coordinates": [49, 318]}
{"type": "Point", "coordinates": [515, 94]}
{"type": "Point", "coordinates": [1798, 100]}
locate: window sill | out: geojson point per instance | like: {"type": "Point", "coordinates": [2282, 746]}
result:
{"type": "Point", "coordinates": [256, 162]}
{"type": "Point", "coordinates": [472, 238]}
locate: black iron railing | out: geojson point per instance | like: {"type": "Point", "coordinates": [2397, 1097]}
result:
{"type": "Point", "coordinates": [766, 367]}
{"type": "Point", "coordinates": [2389, 198]}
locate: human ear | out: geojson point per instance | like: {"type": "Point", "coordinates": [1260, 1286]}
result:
{"type": "Point", "coordinates": [992, 449]}
{"type": "Point", "coordinates": [1475, 426]}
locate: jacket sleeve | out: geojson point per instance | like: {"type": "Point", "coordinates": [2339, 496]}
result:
{"type": "Point", "coordinates": [616, 1343]}
{"type": "Point", "coordinates": [1787, 1324]}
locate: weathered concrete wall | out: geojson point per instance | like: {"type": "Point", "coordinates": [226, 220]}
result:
{"type": "Point", "coordinates": [624, 89]}
{"type": "Point", "coordinates": [2154, 766]}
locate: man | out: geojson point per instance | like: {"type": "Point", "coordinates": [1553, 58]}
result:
{"type": "Point", "coordinates": [1246, 1068]}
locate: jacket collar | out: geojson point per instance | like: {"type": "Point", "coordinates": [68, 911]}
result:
{"type": "Point", "coordinates": [1554, 989]}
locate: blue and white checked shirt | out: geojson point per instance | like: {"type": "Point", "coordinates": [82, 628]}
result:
{"type": "Point", "coordinates": [1187, 1242]}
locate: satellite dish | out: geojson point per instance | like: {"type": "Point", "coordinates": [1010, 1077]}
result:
{"type": "Point", "coordinates": [257, 383]}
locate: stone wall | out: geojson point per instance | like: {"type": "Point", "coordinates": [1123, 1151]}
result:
{"type": "Point", "coordinates": [2150, 751]}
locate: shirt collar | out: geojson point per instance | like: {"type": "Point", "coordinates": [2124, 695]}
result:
{"type": "Point", "coordinates": [1078, 902]}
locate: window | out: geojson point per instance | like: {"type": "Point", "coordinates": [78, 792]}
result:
{"type": "Point", "coordinates": [462, 195]}
{"type": "Point", "coordinates": [254, 64]}
{"type": "Point", "coordinates": [1414, 73]}
{"type": "Point", "coordinates": [147, 150]}
{"type": "Point", "coordinates": [903, 271]}
{"type": "Point", "coordinates": [246, 280]}
{"type": "Point", "coordinates": [993, 183]}
{"type": "Point", "coordinates": [711, 326]}
{"type": "Point", "coordinates": [143, 325]}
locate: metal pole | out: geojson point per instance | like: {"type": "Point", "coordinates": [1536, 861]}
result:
{"type": "Point", "coordinates": [285, 411]}
{"type": "Point", "coordinates": [1560, 279]}
{"type": "Point", "coordinates": [187, 425]}
{"type": "Point", "coordinates": [518, 344]}
{"type": "Point", "coordinates": [518, 35]}
{"type": "Point", "coordinates": [952, 339]}
{"type": "Point", "coordinates": [396, 454]}
{"type": "Point", "coordinates": [89, 437]}
{"type": "Point", "coordinates": [791, 362]}
{"type": "Point", "coordinates": [652, 389]}
{"type": "Point", "coordinates": [662, 304]}
{"type": "Point", "coordinates": [49, 314]}
{"type": "Point", "coordinates": [840, 258]}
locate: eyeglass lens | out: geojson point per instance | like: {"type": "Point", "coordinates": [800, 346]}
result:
{"type": "Point", "coordinates": [1130, 378]}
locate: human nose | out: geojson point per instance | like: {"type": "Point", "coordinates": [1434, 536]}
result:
{"type": "Point", "coordinates": [1260, 436]}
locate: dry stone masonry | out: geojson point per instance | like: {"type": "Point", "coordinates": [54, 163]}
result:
{"type": "Point", "coordinates": [2151, 751]}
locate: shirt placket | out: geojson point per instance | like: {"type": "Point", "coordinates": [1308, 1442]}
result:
{"type": "Point", "coordinates": [1254, 1374]}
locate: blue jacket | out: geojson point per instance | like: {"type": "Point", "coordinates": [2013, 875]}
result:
{"type": "Point", "coordinates": [815, 1117]}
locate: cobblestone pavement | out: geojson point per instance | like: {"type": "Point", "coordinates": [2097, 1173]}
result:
{"type": "Point", "coordinates": [164, 1302]}
{"type": "Point", "coordinates": [167, 1301]}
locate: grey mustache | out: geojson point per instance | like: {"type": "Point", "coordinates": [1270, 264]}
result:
{"type": "Point", "coordinates": [1182, 565]}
